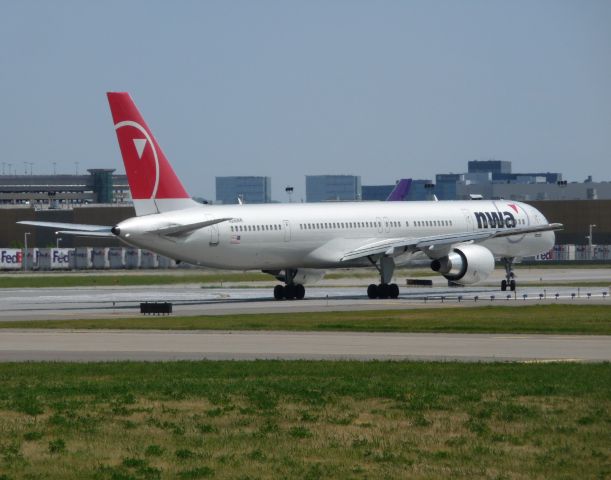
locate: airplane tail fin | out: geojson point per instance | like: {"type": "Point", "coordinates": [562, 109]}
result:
{"type": "Point", "coordinates": [400, 191]}
{"type": "Point", "coordinates": [154, 186]}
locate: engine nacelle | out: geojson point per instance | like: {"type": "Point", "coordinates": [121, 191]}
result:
{"type": "Point", "coordinates": [466, 264]}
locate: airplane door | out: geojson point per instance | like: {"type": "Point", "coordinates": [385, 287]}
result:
{"type": "Point", "coordinates": [214, 235]}
{"type": "Point", "coordinates": [468, 219]}
{"type": "Point", "coordinates": [386, 225]}
{"type": "Point", "coordinates": [380, 226]}
{"type": "Point", "coordinates": [287, 230]}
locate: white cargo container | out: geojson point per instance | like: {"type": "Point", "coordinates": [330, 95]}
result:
{"type": "Point", "coordinates": [544, 257]}
{"type": "Point", "coordinates": [564, 252]}
{"type": "Point", "coordinates": [116, 257]}
{"type": "Point", "coordinates": [602, 252]}
{"type": "Point", "coordinates": [165, 262]}
{"type": "Point", "coordinates": [132, 258]}
{"type": "Point", "coordinates": [31, 261]}
{"type": "Point", "coordinates": [44, 259]}
{"type": "Point", "coordinates": [83, 258]}
{"type": "Point", "coordinates": [99, 258]}
{"type": "Point", "coordinates": [61, 258]}
{"type": "Point", "coordinates": [148, 259]}
{"type": "Point", "coordinates": [11, 259]}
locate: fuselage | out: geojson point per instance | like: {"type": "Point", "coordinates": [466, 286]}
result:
{"type": "Point", "coordinates": [278, 236]}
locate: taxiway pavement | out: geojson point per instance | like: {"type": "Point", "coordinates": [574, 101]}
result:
{"type": "Point", "coordinates": [58, 345]}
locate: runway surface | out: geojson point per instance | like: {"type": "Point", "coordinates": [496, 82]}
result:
{"type": "Point", "coordinates": [116, 302]}
{"type": "Point", "coordinates": [32, 345]}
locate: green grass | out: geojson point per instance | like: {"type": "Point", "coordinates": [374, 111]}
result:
{"type": "Point", "coordinates": [558, 319]}
{"type": "Point", "coordinates": [103, 278]}
{"type": "Point", "coordinates": [272, 419]}
{"type": "Point", "coordinates": [78, 280]}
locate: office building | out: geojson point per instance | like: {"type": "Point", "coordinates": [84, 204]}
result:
{"type": "Point", "coordinates": [376, 192]}
{"type": "Point", "coordinates": [325, 188]}
{"type": "Point", "coordinates": [249, 189]}
{"type": "Point", "coordinates": [101, 185]}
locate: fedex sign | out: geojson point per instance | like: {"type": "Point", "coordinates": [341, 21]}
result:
{"type": "Point", "coordinates": [60, 258]}
{"type": "Point", "coordinates": [11, 258]}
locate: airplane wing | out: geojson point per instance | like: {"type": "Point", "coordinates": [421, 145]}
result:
{"type": "Point", "coordinates": [395, 246]}
{"type": "Point", "coordinates": [79, 229]}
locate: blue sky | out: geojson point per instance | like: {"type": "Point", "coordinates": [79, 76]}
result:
{"type": "Point", "coordinates": [381, 89]}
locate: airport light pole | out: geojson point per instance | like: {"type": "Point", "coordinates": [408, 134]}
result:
{"type": "Point", "coordinates": [59, 239]}
{"type": "Point", "coordinates": [25, 250]}
{"type": "Point", "coordinates": [590, 243]}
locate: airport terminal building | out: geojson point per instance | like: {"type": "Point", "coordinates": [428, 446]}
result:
{"type": "Point", "coordinates": [101, 185]}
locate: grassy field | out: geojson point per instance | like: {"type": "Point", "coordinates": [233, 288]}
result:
{"type": "Point", "coordinates": [310, 420]}
{"type": "Point", "coordinates": [559, 319]}
{"type": "Point", "coordinates": [132, 278]}
{"type": "Point", "coordinates": [105, 280]}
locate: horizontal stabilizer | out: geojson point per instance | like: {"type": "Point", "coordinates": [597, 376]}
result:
{"type": "Point", "coordinates": [67, 226]}
{"type": "Point", "coordinates": [86, 233]}
{"type": "Point", "coordinates": [177, 230]}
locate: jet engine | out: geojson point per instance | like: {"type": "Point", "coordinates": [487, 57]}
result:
{"type": "Point", "coordinates": [465, 264]}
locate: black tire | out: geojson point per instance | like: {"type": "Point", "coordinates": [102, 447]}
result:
{"type": "Point", "coordinates": [512, 285]}
{"type": "Point", "coordinates": [279, 292]}
{"type": "Point", "coordinates": [299, 291]}
{"type": "Point", "coordinates": [383, 290]}
{"type": "Point", "coordinates": [289, 292]}
{"type": "Point", "coordinates": [394, 290]}
{"type": "Point", "coordinates": [503, 285]}
{"type": "Point", "coordinates": [372, 291]}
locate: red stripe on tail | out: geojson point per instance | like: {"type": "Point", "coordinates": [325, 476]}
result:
{"type": "Point", "coordinates": [149, 173]}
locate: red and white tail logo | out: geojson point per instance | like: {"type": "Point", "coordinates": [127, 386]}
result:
{"type": "Point", "coordinates": [154, 185]}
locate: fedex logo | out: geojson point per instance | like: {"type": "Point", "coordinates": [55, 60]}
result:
{"type": "Point", "coordinates": [60, 257]}
{"type": "Point", "coordinates": [495, 219]}
{"type": "Point", "coordinates": [7, 257]}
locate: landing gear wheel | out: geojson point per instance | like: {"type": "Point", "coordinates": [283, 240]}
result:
{"type": "Point", "coordinates": [503, 285]}
{"type": "Point", "coordinates": [393, 290]}
{"type": "Point", "coordinates": [383, 290]}
{"type": "Point", "coordinates": [289, 292]}
{"type": "Point", "coordinates": [512, 285]}
{"type": "Point", "coordinates": [279, 292]}
{"type": "Point", "coordinates": [372, 291]}
{"type": "Point", "coordinates": [299, 291]}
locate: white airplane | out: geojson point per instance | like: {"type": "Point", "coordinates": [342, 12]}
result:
{"type": "Point", "coordinates": [297, 243]}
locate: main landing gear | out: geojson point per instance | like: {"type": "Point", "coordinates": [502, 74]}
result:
{"type": "Point", "coordinates": [386, 268]}
{"type": "Point", "coordinates": [290, 291]}
{"type": "Point", "coordinates": [509, 275]}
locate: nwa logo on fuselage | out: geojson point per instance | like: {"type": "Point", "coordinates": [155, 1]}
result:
{"type": "Point", "coordinates": [495, 219]}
